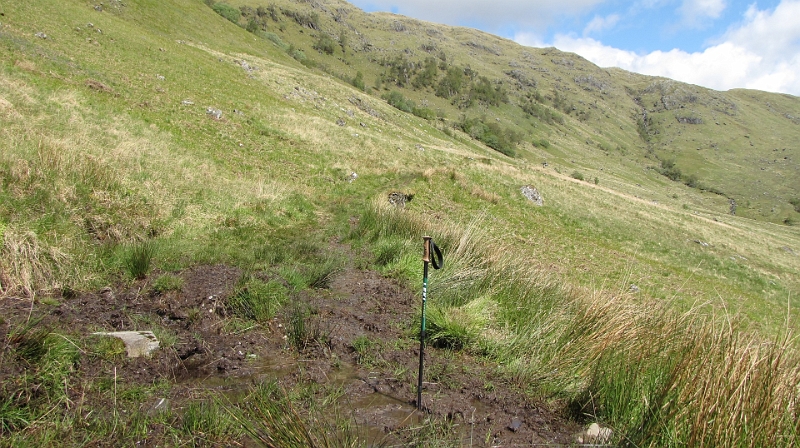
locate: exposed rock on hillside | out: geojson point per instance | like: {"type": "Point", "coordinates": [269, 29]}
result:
{"type": "Point", "coordinates": [532, 194]}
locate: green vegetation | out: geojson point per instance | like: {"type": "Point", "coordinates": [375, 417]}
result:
{"type": "Point", "coordinates": [492, 134]}
{"type": "Point", "coordinates": [670, 170]}
{"type": "Point", "coordinates": [227, 11]}
{"type": "Point", "coordinates": [108, 151]}
{"type": "Point", "coordinates": [138, 258]}
{"type": "Point", "coordinates": [325, 44]}
{"type": "Point", "coordinates": [358, 81]}
{"type": "Point", "coordinates": [167, 283]}
{"type": "Point", "coordinates": [257, 300]}
{"type": "Point", "coordinates": [398, 101]}
{"type": "Point", "coordinates": [642, 369]}
{"type": "Point", "coordinates": [796, 204]}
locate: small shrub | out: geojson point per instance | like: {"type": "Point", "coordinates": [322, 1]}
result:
{"type": "Point", "coordinates": [274, 38]}
{"type": "Point", "coordinates": [138, 259]}
{"type": "Point", "coordinates": [398, 101]}
{"type": "Point", "coordinates": [577, 175]}
{"type": "Point", "coordinates": [325, 44]}
{"type": "Point", "coordinates": [309, 63]}
{"type": "Point", "coordinates": [296, 53]}
{"type": "Point", "coordinates": [227, 11]}
{"type": "Point", "coordinates": [691, 181]}
{"type": "Point", "coordinates": [358, 81]}
{"type": "Point", "coordinates": [424, 112]}
{"type": "Point", "coordinates": [492, 135]}
{"type": "Point", "coordinates": [254, 26]}
{"type": "Point", "coordinates": [670, 170]}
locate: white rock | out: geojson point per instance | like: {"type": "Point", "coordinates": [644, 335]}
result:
{"type": "Point", "coordinates": [137, 343]}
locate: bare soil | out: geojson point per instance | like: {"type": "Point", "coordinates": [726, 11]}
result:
{"type": "Point", "coordinates": [365, 347]}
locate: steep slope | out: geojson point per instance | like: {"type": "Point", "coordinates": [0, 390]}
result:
{"type": "Point", "coordinates": [604, 118]}
{"type": "Point", "coordinates": [192, 125]}
{"type": "Point", "coordinates": [178, 172]}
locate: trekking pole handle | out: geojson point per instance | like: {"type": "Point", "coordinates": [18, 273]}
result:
{"type": "Point", "coordinates": [426, 249]}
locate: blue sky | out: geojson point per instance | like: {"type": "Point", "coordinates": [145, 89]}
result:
{"type": "Point", "coordinates": [720, 44]}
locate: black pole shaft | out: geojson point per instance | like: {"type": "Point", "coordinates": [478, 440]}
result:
{"type": "Point", "coordinates": [422, 334]}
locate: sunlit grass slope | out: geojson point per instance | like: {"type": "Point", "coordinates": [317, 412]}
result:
{"type": "Point", "coordinates": [108, 140]}
{"type": "Point", "coordinates": [163, 124]}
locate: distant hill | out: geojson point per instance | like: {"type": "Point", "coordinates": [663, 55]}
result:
{"type": "Point", "coordinates": [547, 105]}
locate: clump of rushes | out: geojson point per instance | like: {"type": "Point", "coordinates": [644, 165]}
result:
{"type": "Point", "coordinates": [256, 299]}
{"type": "Point", "coordinates": [658, 376]}
{"type": "Point", "coordinates": [320, 274]}
{"type": "Point", "coordinates": [304, 331]}
{"type": "Point", "coordinates": [273, 421]}
{"type": "Point", "coordinates": [138, 259]}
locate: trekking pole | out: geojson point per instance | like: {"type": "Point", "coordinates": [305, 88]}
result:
{"type": "Point", "coordinates": [438, 262]}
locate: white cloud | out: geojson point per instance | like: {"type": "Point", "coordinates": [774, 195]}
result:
{"type": "Point", "coordinates": [599, 24]}
{"type": "Point", "coordinates": [522, 14]}
{"type": "Point", "coordinates": [696, 11]}
{"type": "Point", "coordinates": [762, 53]}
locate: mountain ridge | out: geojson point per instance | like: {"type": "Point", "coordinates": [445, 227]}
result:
{"type": "Point", "coordinates": [670, 108]}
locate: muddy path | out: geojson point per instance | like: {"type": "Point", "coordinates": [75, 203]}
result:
{"type": "Point", "coordinates": [358, 341]}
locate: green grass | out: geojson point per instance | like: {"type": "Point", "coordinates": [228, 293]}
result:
{"type": "Point", "coordinates": [98, 153]}
{"type": "Point", "coordinates": [305, 330]}
{"type": "Point", "coordinates": [645, 368]}
{"type": "Point", "coordinates": [257, 300]}
{"type": "Point", "coordinates": [167, 283]}
{"type": "Point", "coordinates": [273, 419]}
{"type": "Point", "coordinates": [138, 259]}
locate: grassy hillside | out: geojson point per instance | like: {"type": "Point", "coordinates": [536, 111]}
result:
{"type": "Point", "coordinates": [132, 92]}
{"type": "Point", "coordinates": [592, 118]}
{"type": "Point", "coordinates": [163, 125]}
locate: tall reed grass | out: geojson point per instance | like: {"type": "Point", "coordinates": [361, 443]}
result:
{"type": "Point", "coordinates": [657, 376]}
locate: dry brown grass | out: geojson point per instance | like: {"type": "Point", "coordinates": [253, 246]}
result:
{"type": "Point", "coordinates": [26, 265]}
{"type": "Point", "coordinates": [659, 376]}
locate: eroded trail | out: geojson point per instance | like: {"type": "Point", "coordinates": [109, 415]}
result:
{"type": "Point", "coordinates": [356, 355]}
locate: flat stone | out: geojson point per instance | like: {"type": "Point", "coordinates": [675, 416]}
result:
{"type": "Point", "coordinates": [137, 343]}
{"type": "Point", "coordinates": [596, 434]}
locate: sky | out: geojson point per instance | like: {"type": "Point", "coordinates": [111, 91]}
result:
{"type": "Point", "coordinates": [719, 44]}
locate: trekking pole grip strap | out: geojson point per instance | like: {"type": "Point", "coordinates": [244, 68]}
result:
{"type": "Point", "coordinates": [437, 260]}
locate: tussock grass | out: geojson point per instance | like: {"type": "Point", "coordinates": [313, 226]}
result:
{"type": "Point", "coordinates": [257, 300]}
{"type": "Point", "coordinates": [27, 265]}
{"type": "Point", "coordinates": [272, 419]}
{"type": "Point", "coordinates": [658, 376]}
{"type": "Point", "coordinates": [138, 258]}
